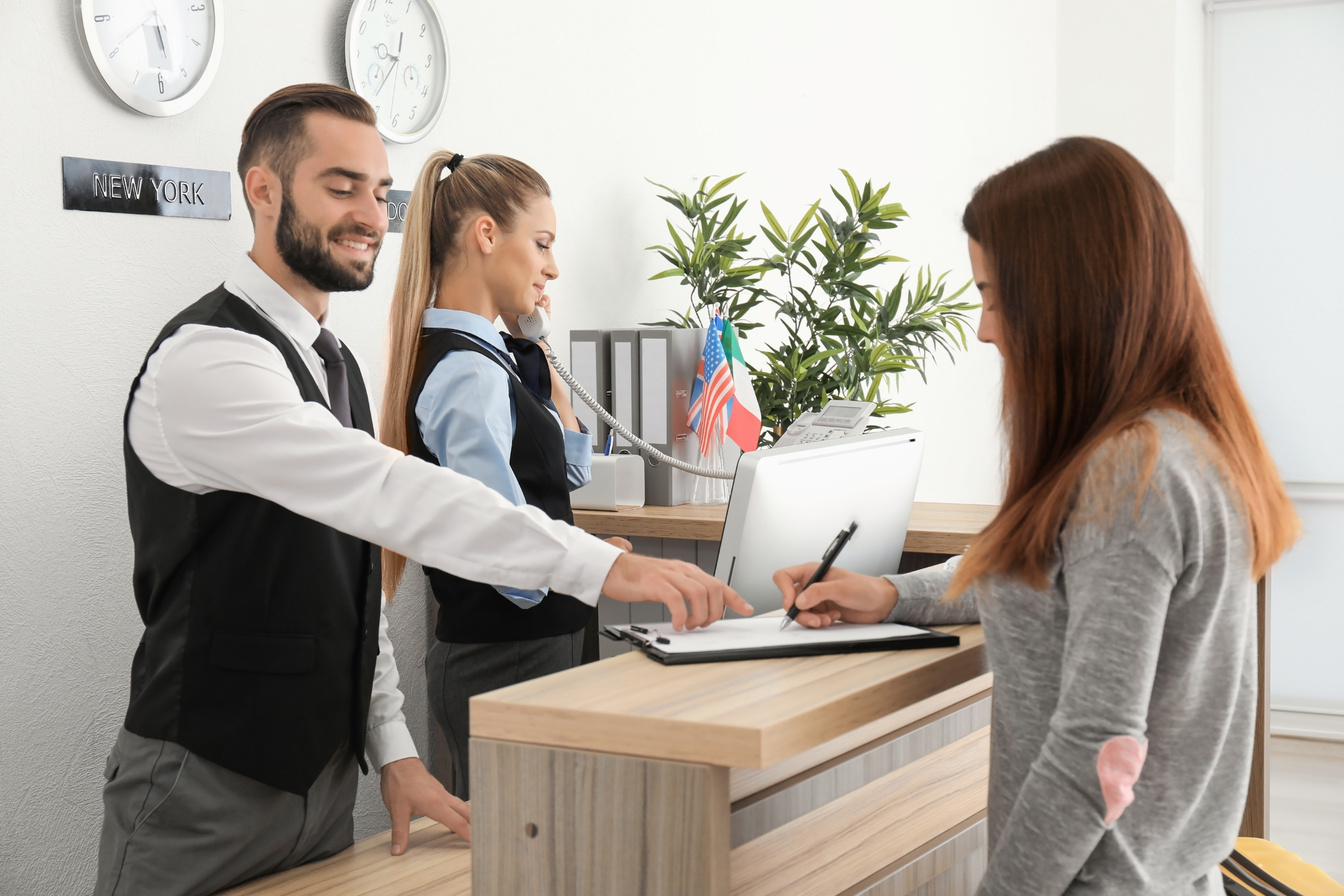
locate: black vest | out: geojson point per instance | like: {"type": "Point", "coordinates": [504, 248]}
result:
{"type": "Point", "coordinates": [474, 612]}
{"type": "Point", "coordinates": [261, 626]}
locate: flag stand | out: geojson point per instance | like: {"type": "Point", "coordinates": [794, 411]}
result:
{"type": "Point", "coordinates": [714, 491]}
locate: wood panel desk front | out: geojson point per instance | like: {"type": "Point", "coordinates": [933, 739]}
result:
{"type": "Point", "coordinates": [626, 776]}
{"type": "Point", "coordinates": [759, 778]}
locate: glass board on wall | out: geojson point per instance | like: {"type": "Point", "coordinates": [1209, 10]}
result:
{"type": "Point", "coordinates": [1278, 292]}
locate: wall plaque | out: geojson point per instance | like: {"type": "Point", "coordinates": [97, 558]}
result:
{"type": "Point", "coordinates": [397, 200]}
{"type": "Point", "coordinates": [135, 188]}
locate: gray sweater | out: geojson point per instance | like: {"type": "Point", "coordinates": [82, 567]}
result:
{"type": "Point", "coordinates": [1124, 693]}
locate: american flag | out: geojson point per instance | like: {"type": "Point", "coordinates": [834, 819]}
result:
{"type": "Point", "coordinates": [712, 390]}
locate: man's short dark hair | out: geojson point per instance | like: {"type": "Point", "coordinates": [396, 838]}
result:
{"type": "Point", "coordinates": [275, 133]}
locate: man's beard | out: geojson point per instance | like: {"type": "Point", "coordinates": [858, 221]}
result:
{"type": "Point", "coordinates": [308, 254]}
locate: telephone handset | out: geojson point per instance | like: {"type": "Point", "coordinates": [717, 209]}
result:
{"type": "Point", "coordinates": [537, 326]}
{"type": "Point", "coordinates": [835, 421]}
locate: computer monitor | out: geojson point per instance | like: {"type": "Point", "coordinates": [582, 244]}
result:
{"type": "Point", "coordinates": [788, 504]}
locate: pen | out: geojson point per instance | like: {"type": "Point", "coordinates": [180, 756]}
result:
{"type": "Point", "coordinates": [610, 441]}
{"type": "Point", "coordinates": [826, 560]}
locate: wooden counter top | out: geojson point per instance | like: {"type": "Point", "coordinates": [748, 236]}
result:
{"type": "Point", "coordinates": [934, 528]}
{"type": "Point", "coordinates": [438, 862]}
{"type": "Point", "coordinates": [749, 714]}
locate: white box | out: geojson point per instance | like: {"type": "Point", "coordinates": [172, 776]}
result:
{"type": "Point", "coordinates": [617, 483]}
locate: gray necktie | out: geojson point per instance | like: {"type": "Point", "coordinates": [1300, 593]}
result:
{"type": "Point", "coordinates": [329, 350]}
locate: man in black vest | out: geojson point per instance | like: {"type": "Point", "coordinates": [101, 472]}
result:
{"type": "Point", "coordinates": [257, 499]}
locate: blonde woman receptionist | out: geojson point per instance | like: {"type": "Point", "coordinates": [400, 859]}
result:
{"type": "Point", "coordinates": [1116, 585]}
{"type": "Point", "coordinates": [478, 246]}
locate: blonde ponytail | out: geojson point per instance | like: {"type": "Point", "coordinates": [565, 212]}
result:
{"type": "Point", "coordinates": [494, 185]}
{"type": "Point", "coordinates": [416, 276]}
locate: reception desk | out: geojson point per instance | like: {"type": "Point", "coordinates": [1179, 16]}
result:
{"type": "Point", "coordinates": [801, 775]}
{"type": "Point", "coordinates": [851, 774]}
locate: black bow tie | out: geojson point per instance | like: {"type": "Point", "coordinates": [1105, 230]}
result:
{"type": "Point", "coordinates": [532, 366]}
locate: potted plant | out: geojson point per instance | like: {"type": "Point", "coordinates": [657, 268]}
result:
{"type": "Point", "coordinates": [844, 337]}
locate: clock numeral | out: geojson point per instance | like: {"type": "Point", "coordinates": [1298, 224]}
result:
{"type": "Point", "coordinates": [424, 91]}
{"type": "Point", "coordinates": [115, 51]}
{"type": "Point", "coordinates": [413, 108]}
{"type": "Point", "coordinates": [408, 5]}
{"type": "Point", "coordinates": [394, 120]}
{"type": "Point", "coordinates": [160, 82]}
{"type": "Point", "coordinates": [195, 41]}
{"type": "Point", "coordinates": [429, 59]}
{"type": "Point", "coordinates": [102, 18]}
{"type": "Point", "coordinates": [377, 109]}
{"type": "Point", "coordinates": [422, 30]}
{"type": "Point", "coordinates": [184, 71]}
{"type": "Point", "coordinates": [363, 26]}
{"type": "Point", "coordinates": [373, 4]}
{"type": "Point", "coordinates": [197, 7]}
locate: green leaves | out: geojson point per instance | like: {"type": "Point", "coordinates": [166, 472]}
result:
{"type": "Point", "coordinates": [707, 254]}
{"type": "Point", "coordinates": [844, 337]}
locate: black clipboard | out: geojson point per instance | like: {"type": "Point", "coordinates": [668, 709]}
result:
{"type": "Point", "coordinates": [646, 639]}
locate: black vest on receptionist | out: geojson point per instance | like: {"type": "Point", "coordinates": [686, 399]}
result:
{"type": "Point", "coordinates": [474, 612]}
{"type": "Point", "coordinates": [261, 626]}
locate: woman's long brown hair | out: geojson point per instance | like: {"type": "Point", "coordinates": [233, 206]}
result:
{"type": "Point", "coordinates": [1103, 320]}
{"type": "Point", "coordinates": [440, 208]}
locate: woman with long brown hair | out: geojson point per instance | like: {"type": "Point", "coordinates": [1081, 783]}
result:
{"type": "Point", "coordinates": [1116, 585]}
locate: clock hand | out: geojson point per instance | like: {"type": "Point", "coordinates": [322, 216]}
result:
{"type": "Point", "coordinates": [158, 26]}
{"type": "Point", "coordinates": [392, 103]}
{"type": "Point", "coordinates": [134, 28]}
{"type": "Point", "coordinates": [387, 77]}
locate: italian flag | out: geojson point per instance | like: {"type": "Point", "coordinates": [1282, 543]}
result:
{"type": "Point", "coordinates": [744, 412]}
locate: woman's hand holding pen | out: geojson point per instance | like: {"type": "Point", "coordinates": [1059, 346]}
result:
{"type": "Point", "coordinates": [840, 596]}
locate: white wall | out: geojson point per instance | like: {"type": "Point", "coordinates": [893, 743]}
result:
{"type": "Point", "coordinates": [1133, 73]}
{"type": "Point", "coordinates": [597, 95]}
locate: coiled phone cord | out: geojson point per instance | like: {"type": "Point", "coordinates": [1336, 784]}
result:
{"type": "Point", "coordinates": [621, 429]}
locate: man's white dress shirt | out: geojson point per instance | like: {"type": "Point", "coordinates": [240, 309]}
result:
{"type": "Point", "coordinates": [218, 410]}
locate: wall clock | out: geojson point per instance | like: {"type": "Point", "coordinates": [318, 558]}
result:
{"type": "Point", "coordinates": [155, 56]}
{"type": "Point", "coordinates": [396, 57]}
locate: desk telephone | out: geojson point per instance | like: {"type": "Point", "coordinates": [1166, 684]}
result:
{"type": "Point", "coordinates": [837, 419]}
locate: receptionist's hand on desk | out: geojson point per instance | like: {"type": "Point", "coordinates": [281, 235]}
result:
{"type": "Point", "coordinates": [693, 597]}
{"type": "Point", "coordinates": [841, 596]}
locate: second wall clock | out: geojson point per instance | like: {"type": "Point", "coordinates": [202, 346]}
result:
{"type": "Point", "coordinates": [396, 57]}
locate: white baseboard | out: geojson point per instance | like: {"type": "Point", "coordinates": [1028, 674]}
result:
{"type": "Point", "coordinates": [1307, 723]}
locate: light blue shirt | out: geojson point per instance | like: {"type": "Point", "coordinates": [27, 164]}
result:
{"type": "Point", "coordinates": [467, 419]}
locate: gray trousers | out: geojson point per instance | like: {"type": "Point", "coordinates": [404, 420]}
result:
{"type": "Point", "coordinates": [458, 672]}
{"type": "Point", "coordinates": [175, 824]}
